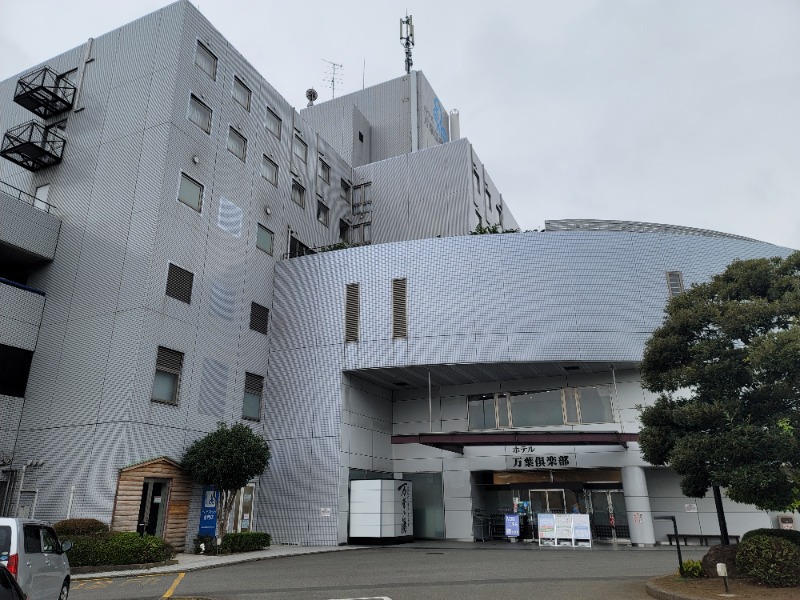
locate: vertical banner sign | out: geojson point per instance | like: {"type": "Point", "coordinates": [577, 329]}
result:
{"type": "Point", "coordinates": [208, 512]}
{"type": "Point", "coordinates": [512, 525]}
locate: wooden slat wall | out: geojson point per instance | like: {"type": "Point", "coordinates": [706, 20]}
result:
{"type": "Point", "coordinates": [129, 497]}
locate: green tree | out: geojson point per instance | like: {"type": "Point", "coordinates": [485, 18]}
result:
{"type": "Point", "coordinates": [227, 459]}
{"type": "Point", "coordinates": [726, 366]}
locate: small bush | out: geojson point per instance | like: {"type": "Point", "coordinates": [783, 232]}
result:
{"type": "Point", "coordinates": [244, 542]}
{"type": "Point", "coordinates": [118, 548]}
{"type": "Point", "coordinates": [69, 527]}
{"type": "Point", "coordinates": [790, 535]}
{"type": "Point", "coordinates": [769, 560]}
{"type": "Point", "coordinates": [693, 568]}
{"type": "Point", "coordinates": [210, 544]}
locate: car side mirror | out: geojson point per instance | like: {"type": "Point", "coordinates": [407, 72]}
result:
{"type": "Point", "coordinates": [66, 546]}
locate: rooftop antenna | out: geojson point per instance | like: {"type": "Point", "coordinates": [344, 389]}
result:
{"type": "Point", "coordinates": [407, 40]}
{"type": "Point", "coordinates": [332, 76]}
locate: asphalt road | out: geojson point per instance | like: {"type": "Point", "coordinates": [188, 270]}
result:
{"type": "Point", "coordinates": [439, 572]}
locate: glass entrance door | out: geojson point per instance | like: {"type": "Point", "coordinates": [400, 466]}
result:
{"type": "Point", "coordinates": [609, 515]}
{"type": "Point", "coordinates": [153, 507]}
{"type": "Point", "coordinates": [547, 501]}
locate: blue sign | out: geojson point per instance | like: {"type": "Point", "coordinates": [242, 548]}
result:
{"type": "Point", "coordinates": [512, 525]}
{"type": "Point", "coordinates": [208, 512]}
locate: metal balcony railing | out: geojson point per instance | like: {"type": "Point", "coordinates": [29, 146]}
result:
{"type": "Point", "coordinates": [10, 190]}
{"type": "Point", "coordinates": [44, 92]}
{"type": "Point", "coordinates": [33, 146]}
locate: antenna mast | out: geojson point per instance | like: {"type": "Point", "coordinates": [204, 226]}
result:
{"type": "Point", "coordinates": [332, 77]}
{"type": "Point", "coordinates": [407, 40]}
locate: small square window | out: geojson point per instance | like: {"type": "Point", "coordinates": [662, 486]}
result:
{"type": "Point", "coordinates": [166, 382]}
{"type": "Point", "coordinates": [259, 318]}
{"type": "Point", "coordinates": [264, 238]}
{"type": "Point", "coordinates": [273, 124]}
{"type": "Point", "coordinates": [322, 212]}
{"type": "Point", "coordinates": [269, 170]}
{"type": "Point", "coordinates": [199, 114]}
{"type": "Point", "coordinates": [241, 93]}
{"type": "Point", "coordinates": [190, 192]}
{"type": "Point", "coordinates": [324, 171]}
{"type": "Point", "coordinates": [298, 194]}
{"type": "Point", "coordinates": [300, 148]}
{"type": "Point", "coordinates": [237, 143]}
{"type": "Point", "coordinates": [344, 193]}
{"type": "Point", "coordinates": [206, 60]}
{"type": "Point", "coordinates": [179, 283]}
{"type": "Point", "coordinates": [251, 404]}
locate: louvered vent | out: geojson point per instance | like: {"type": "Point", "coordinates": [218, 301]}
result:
{"type": "Point", "coordinates": [259, 318]}
{"type": "Point", "coordinates": [351, 313]}
{"type": "Point", "coordinates": [179, 283]}
{"type": "Point", "coordinates": [674, 283]}
{"type": "Point", "coordinates": [399, 309]}
{"type": "Point", "coordinates": [253, 383]}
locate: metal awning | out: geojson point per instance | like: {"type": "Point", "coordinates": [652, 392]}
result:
{"type": "Point", "coordinates": [455, 442]}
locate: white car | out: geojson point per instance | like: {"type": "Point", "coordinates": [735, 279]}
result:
{"type": "Point", "coordinates": [32, 553]}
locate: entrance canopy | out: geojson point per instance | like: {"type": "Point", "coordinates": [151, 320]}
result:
{"type": "Point", "coordinates": [455, 442]}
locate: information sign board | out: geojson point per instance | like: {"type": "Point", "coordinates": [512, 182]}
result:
{"type": "Point", "coordinates": [512, 525]}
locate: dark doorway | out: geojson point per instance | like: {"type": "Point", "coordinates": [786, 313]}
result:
{"type": "Point", "coordinates": [153, 507]}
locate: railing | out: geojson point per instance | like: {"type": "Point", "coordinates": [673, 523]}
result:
{"type": "Point", "coordinates": [21, 286]}
{"type": "Point", "coordinates": [33, 146]}
{"type": "Point", "coordinates": [44, 92]}
{"type": "Point", "coordinates": [10, 190]}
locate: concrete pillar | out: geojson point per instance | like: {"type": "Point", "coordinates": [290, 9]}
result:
{"type": "Point", "coordinates": [637, 504]}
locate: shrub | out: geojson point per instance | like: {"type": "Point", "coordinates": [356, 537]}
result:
{"type": "Point", "coordinates": [244, 542]}
{"type": "Point", "coordinates": [769, 560]}
{"type": "Point", "coordinates": [70, 527]}
{"type": "Point", "coordinates": [693, 568]}
{"type": "Point", "coordinates": [789, 535]}
{"type": "Point", "coordinates": [118, 548]}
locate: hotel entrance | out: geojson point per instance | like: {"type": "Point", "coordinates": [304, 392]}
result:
{"type": "Point", "coordinates": [596, 492]}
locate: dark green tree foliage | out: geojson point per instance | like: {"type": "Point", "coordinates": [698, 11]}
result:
{"type": "Point", "coordinates": [227, 459]}
{"type": "Point", "coordinates": [726, 365]}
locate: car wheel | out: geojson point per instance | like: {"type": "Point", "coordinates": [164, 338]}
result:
{"type": "Point", "coordinates": [64, 591]}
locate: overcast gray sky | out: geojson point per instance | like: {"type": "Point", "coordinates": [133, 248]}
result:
{"type": "Point", "coordinates": [670, 111]}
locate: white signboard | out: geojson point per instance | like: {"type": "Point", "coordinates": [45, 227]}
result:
{"type": "Point", "coordinates": [691, 507]}
{"type": "Point", "coordinates": [324, 512]}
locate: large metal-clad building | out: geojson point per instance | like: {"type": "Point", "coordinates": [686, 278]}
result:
{"type": "Point", "coordinates": [171, 235]}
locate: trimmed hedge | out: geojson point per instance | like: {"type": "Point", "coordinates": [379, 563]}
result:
{"type": "Point", "coordinates": [790, 535]}
{"type": "Point", "coordinates": [118, 548]}
{"type": "Point", "coordinates": [244, 542]}
{"type": "Point", "coordinates": [770, 560]}
{"type": "Point", "coordinates": [70, 527]}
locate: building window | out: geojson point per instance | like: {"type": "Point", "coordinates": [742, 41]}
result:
{"type": "Point", "coordinates": [241, 93]}
{"type": "Point", "coordinates": [324, 171]}
{"type": "Point", "coordinates": [399, 308]}
{"type": "Point", "coordinates": [179, 283]}
{"type": "Point", "coordinates": [322, 213]}
{"type": "Point", "coordinates": [362, 198]}
{"type": "Point", "coordinates": [298, 194]}
{"type": "Point", "coordinates": [361, 234]}
{"type": "Point", "coordinates": [351, 313]}
{"type": "Point", "coordinates": [298, 248]}
{"type": "Point", "coordinates": [259, 318]}
{"type": "Point", "coordinates": [344, 192]}
{"type": "Point", "coordinates": [199, 114]}
{"type": "Point", "coordinates": [476, 179]}
{"type": "Point", "coordinates": [565, 406]}
{"type": "Point", "coordinates": [674, 283]}
{"type": "Point", "coordinates": [273, 124]}
{"type": "Point", "coordinates": [264, 238]}
{"type": "Point", "coordinates": [15, 365]}
{"type": "Point", "coordinates": [168, 376]}
{"type": "Point", "coordinates": [190, 192]}
{"type": "Point", "coordinates": [269, 170]}
{"type": "Point", "coordinates": [300, 148]}
{"type": "Point", "coordinates": [360, 137]}
{"type": "Point", "coordinates": [206, 60]}
{"type": "Point", "coordinates": [344, 231]}
{"type": "Point", "coordinates": [237, 143]}
{"type": "Point", "coordinates": [488, 200]}
{"type": "Point", "coordinates": [251, 404]}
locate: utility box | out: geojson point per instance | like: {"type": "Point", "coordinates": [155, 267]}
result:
{"type": "Point", "coordinates": [786, 522]}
